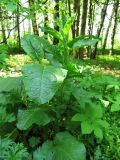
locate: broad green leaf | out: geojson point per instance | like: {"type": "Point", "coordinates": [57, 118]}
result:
{"type": "Point", "coordinates": [53, 60]}
{"type": "Point", "coordinates": [115, 107]}
{"type": "Point", "coordinates": [82, 96]}
{"type": "Point", "coordinates": [47, 46]}
{"type": "Point", "coordinates": [63, 147]}
{"type": "Point", "coordinates": [45, 152]}
{"type": "Point", "coordinates": [90, 118]}
{"type": "Point", "coordinates": [89, 113]}
{"type": "Point", "coordinates": [26, 118]}
{"type": "Point", "coordinates": [102, 123]}
{"type": "Point", "coordinates": [42, 81]}
{"type": "Point", "coordinates": [82, 41]}
{"type": "Point", "coordinates": [33, 46]}
{"type": "Point", "coordinates": [52, 32]}
{"type": "Point", "coordinates": [87, 127]}
{"type": "Point", "coordinates": [68, 25]}
{"type": "Point", "coordinates": [85, 42]}
{"type": "Point", "coordinates": [98, 132]}
{"type": "Point", "coordinates": [78, 117]}
{"type": "Point", "coordinates": [73, 41]}
{"type": "Point", "coordinates": [10, 84]}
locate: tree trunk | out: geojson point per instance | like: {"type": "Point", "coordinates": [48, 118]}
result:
{"type": "Point", "coordinates": [108, 28]}
{"type": "Point", "coordinates": [29, 26]}
{"type": "Point", "coordinates": [90, 18]}
{"type": "Point", "coordinates": [3, 27]}
{"type": "Point", "coordinates": [56, 16]}
{"type": "Point", "coordinates": [103, 13]}
{"type": "Point", "coordinates": [83, 25]}
{"type": "Point", "coordinates": [74, 24]}
{"type": "Point", "coordinates": [18, 28]}
{"type": "Point", "coordinates": [84, 17]}
{"type": "Point", "coordinates": [69, 7]}
{"type": "Point", "coordinates": [45, 17]}
{"type": "Point", "coordinates": [93, 17]}
{"type": "Point", "coordinates": [78, 18]}
{"type": "Point", "coordinates": [34, 21]}
{"type": "Point", "coordinates": [116, 3]}
{"type": "Point", "coordinates": [24, 27]}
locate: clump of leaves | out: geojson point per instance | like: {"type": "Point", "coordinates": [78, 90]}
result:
{"type": "Point", "coordinates": [53, 101]}
{"type": "Point", "coordinates": [9, 150]}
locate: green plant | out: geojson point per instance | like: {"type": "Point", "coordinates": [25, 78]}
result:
{"type": "Point", "coordinates": [3, 54]}
{"type": "Point", "coordinates": [54, 108]}
{"type": "Point", "coordinates": [11, 151]}
{"type": "Point", "coordinates": [66, 44]}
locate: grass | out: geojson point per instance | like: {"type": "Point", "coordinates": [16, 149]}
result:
{"type": "Point", "coordinates": [104, 64]}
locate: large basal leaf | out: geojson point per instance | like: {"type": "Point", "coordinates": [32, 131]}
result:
{"type": "Point", "coordinates": [63, 147]}
{"type": "Point", "coordinates": [44, 153]}
{"type": "Point", "coordinates": [42, 81]}
{"type": "Point", "coordinates": [26, 118]}
{"type": "Point", "coordinates": [33, 46]}
{"type": "Point", "coordinates": [10, 84]}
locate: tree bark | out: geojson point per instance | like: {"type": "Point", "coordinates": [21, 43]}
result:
{"type": "Point", "coordinates": [45, 16]}
{"type": "Point", "coordinates": [3, 27]}
{"type": "Point", "coordinates": [84, 17]}
{"type": "Point", "coordinates": [56, 16]}
{"type": "Point", "coordinates": [90, 18]}
{"type": "Point", "coordinates": [74, 24]}
{"type": "Point", "coordinates": [78, 19]}
{"type": "Point", "coordinates": [108, 28]}
{"type": "Point", "coordinates": [83, 25]}
{"type": "Point", "coordinates": [34, 21]}
{"type": "Point", "coordinates": [116, 3]}
{"type": "Point", "coordinates": [18, 28]}
{"type": "Point", "coordinates": [103, 14]}
{"type": "Point", "coordinates": [29, 26]}
{"type": "Point", "coordinates": [69, 7]}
